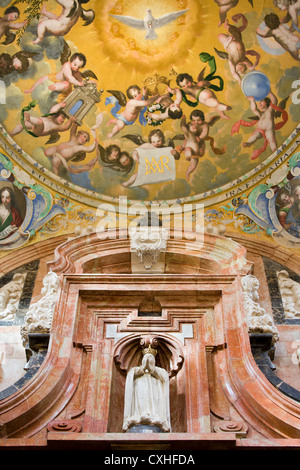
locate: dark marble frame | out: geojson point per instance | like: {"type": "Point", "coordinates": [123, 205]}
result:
{"type": "Point", "coordinates": [271, 268]}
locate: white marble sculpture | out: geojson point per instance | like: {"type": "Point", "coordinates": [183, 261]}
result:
{"type": "Point", "coordinates": [147, 394]}
{"type": "Point", "coordinates": [290, 294]}
{"type": "Point", "coordinates": [38, 319]}
{"type": "Point", "coordinates": [148, 243]}
{"type": "Point", "coordinates": [258, 320]}
{"type": "Point", "coordinates": [10, 295]}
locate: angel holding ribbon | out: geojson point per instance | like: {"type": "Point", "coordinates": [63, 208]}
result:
{"type": "Point", "coordinates": [265, 112]}
{"type": "Point", "coordinates": [203, 89]}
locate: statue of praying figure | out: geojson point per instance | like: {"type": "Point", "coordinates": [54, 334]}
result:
{"type": "Point", "coordinates": [147, 396]}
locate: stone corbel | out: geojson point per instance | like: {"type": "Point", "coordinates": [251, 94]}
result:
{"type": "Point", "coordinates": [148, 246]}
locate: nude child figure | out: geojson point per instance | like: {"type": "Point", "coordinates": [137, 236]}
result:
{"type": "Point", "coordinates": [68, 76]}
{"type": "Point", "coordinates": [64, 152]}
{"type": "Point", "coordinates": [287, 39]}
{"type": "Point", "coordinates": [132, 110]}
{"type": "Point", "coordinates": [292, 7]}
{"type": "Point", "coordinates": [266, 122]}
{"type": "Point", "coordinates": [202, 93]}
{"type": "Point", "coordinates": [224, 7]}
{"type": "Point", "coordinates": [233, 44]}
{"type": "Point", "coordinates": [194, 145]}
{"type": "Point", "coordinates": [60, 25]}
{"type": "Point", "coordinates": [42, 126]}
{"type": "Point", "coordinates": [171, 106]}
{"type": "Point", "coordinates": [7, 22]}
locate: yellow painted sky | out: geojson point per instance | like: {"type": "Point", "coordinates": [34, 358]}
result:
{"type": "Point", "coordinates": [123, 58]}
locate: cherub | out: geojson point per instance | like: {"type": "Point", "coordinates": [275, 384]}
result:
{"type": "Point", "coordinates": [118, 8]}
{"type": "Point", "coordinates": [156, 139]}
{"type": "Point", "coordinates": [68, 76]}
{"type": "Point", "coordinates": [292, 7]}
{"type": "Point", "coordinates": [60, 25]}
{"type": "Point", "coordinates": [137, 100]}
{"type": "Point", "coordinates": [132, 179]}
{"type": "Point", "coordinates": [114, 158]}
{"type": "Point", "coordinates": [19, 62]}
{"type": "Point", "coordinates": [115, 30]}
{"type": "Point", "coordinates": [5, 63]}
{"type": "Point", "coordinates": [194, 146]}
{"type": "Point", "coordinates": [236, 53]}
{"type": "Point", "coordinates": [196, 132]}
{"type": "Point", "coordinates": [132, 46]}
{"type": "Point", "coordinates": [201, 92]}
{"type": "Point", "coordinates": [225, 6]}
{"type": "Point", "coordinates": [41, 126]}
{"type": "Point", "coordinates": [265, 113]}
{"type": "Point", "coordinates": [286, 38]}
{"type": "Point", "coordinates": [74, 150]}
{"type": "Point", "coordinates": [109, 155]}
{"type": "Point", "coordinates": [170, 108]}
{"type": "Point", "coordinates": [7, 22]}
{"type": "Point", "coordinates": [125, 162]}
{"type": "Point", "coordinates": [197, 117]}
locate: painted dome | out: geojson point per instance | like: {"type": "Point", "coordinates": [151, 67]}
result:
{"type": "Point", "coordinates": [145, 99]}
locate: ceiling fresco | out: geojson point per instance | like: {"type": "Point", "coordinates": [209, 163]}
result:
{"type": "Point", "coordinates": [168, 100]}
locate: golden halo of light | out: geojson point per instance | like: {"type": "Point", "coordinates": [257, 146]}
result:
{"type": "Point", "coordinates": [128, 47]}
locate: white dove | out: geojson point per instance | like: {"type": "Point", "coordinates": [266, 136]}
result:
{"type": "Point", "coordinates": [149, 23]}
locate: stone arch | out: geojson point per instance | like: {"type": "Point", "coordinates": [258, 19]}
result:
{"type": "Point", "coordinates": [96, 253]}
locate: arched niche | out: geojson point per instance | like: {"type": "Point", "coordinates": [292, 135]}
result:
{"type": "Point", "coordinates": [128, 353]}
{"type": "Point", "coordinates": [170, 356]}
{"type": "Point", "coordinates": [149, 306]}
